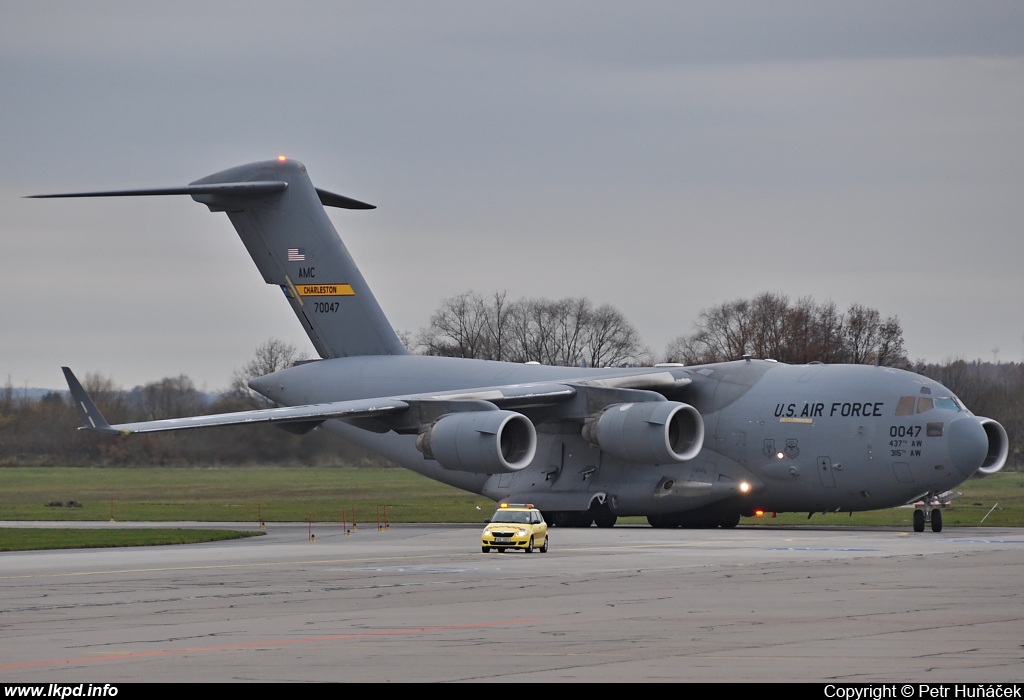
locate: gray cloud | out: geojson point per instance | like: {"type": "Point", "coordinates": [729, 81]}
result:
{"type": "Point", "coordinates": [663, 157]}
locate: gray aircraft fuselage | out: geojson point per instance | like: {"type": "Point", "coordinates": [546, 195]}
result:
{"type": "Point", "coordinates": [699, 445]}
{"type": "Point", "coordinates": [811, 438]}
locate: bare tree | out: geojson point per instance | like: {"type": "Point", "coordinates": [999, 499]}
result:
{"type": "Point", "coordinates": [108, 397]}
{"type": "Point", "coordinates": [770, 326]}
{"type": "Point", "coordinates": [458, 327]}
{"type": "Point", "coordinates": [7, 403]}
{"type": "Point", "coordinates": [612, 340]}
{"type": "Point", "coordinates": [868, 339]}
{"type": "Point", "coordinates": [172, 397]}
{"type": "Point", "coordinates": [566, 332]}
{"type": "Point", "coordinates": [722, 333]}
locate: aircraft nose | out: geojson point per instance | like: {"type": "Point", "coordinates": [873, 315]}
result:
{"type": "Point", "coordinates": [968, 444]}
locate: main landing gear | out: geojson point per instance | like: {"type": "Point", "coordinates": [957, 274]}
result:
{"type": "Point", "coordinates": [920, 519]}
{"type": "Point", "coordinates": [599, 514]}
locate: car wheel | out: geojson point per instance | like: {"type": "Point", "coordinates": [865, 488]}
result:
{"type": "Point", "coordinates": [501, 550]}
{"type": "Point", "coordinates": [529, 546]}
{"type": "Point", "coordinates": [544, 547]}
{"type": "Point", "coordinates": [486, 550]}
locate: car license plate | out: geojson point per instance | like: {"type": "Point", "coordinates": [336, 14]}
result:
{"type": "Point", "coordinates": [503, 540]}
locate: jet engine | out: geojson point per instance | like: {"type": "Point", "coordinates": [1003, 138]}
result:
{"type": "Point", "coordinates": [480, 442]}
{"type": "Point", "coordinates": [998, 446]}
{"type": "Point", "coordinates": [658, 432]}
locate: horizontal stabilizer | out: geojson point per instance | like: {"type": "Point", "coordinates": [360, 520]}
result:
{"type": "Point", "coordinates": [235, 189]}
{"type": "Point", "coordinates": [329, 199]}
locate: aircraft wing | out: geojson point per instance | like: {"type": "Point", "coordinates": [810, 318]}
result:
{"type": "Point", "coordinates": [511, 396]}
{"type": "Point", "coordinates": [547, 393]}
{"type": "Point", "coordinates": [92, 419]}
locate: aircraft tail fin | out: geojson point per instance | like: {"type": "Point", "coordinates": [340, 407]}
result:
{"type": "Point", "coordinates": [280, 217]}
{"type": "Point", "coordinates": [295, 246]}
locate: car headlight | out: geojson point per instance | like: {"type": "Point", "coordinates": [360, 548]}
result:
{"type": "Point", "coordinates": [521, 533]}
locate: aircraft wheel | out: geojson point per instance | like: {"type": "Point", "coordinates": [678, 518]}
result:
{"type": "Point", "coordinates": [689, 521]}
{"type": "Point", "coordinates": [602, 515]}
{"type": "Point", "coordinates": [529, 546]}
{"type": "Point", "coordinates": [544, 547]}
{"type": "Point", "coordinates": [936, 520]}
{"type": "Point", "coordinates": [660, 521]}
{"type": "Point", "coordinates": [486, 550]}
{"type": "Point", "coordinates": [730, 520]}
{"type": "Point", "coordinates": [576, 519]}
{"type": "Point", "coordinates": [559, 518]}
{"type": "Point", "coordinates": [918, 520]}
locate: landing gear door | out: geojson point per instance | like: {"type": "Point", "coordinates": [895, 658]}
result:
{"type": "Point", "coordinates": [579, 464]}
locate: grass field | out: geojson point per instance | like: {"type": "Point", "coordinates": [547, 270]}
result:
{"type": "Point", "coordinates": [20, 539]}
{"type": "Point", "coordinates": [237, 494]}
{"type": "Point", "coordinates": [233, 494]}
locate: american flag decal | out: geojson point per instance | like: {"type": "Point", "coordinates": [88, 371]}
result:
{"type": "Point", "coordinates": [296, 255]}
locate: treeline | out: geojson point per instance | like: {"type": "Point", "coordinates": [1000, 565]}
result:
{"type": "Point", "coordinates": [45, 430]}
{"type": "Point", "coordinates": [567, 332]}
{"type": "Point", "coordinates": [797, 332]}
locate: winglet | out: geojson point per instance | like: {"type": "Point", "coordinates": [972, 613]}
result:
{"type": "Point", "coordinates": [92, 419]}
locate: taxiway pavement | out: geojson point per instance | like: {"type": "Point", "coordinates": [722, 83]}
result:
{"type": "Point", "coordinates": [422, 603]}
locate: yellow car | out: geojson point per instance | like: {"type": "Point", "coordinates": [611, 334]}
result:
{"type": "Point", "coordinates": [515, 526]}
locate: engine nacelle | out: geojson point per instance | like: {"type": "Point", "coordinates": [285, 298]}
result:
{"type": "Point", "coordinates": [998, 446]}
{"type": "Point", "coordinates": [480, 442]}
{"type": "Point", "coordinates": [656, 432]}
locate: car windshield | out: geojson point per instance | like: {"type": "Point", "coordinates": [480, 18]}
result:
{"type": "Point", "coordinates": [511, 516]}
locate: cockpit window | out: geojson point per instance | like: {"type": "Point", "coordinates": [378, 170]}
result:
{"type": "Point", "coordinates": [906, 406]}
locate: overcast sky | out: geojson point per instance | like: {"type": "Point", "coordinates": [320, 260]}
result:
{"type": "Point", "coordinates": [663, 157]}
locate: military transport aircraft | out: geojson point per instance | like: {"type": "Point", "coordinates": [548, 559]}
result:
{"type": "Point", "coordinates": [696, 446]}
